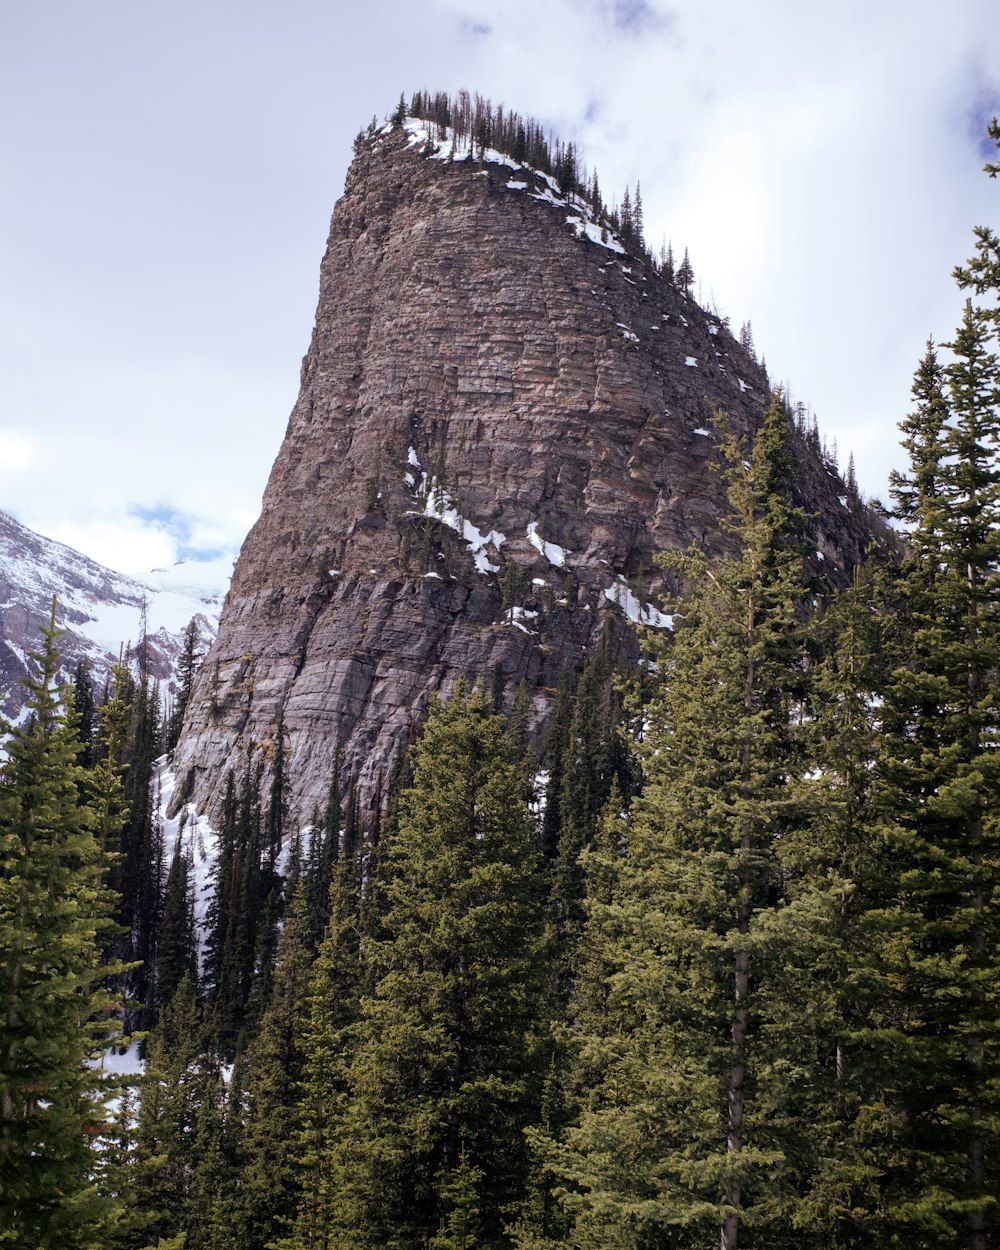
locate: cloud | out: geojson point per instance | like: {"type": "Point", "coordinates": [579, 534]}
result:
{"type": "Point", "coordinates": [982, 108]}
{"type": "Point", "coordinates": [634, 17]}
{"type": "Point", "coordinates": [475, 29]}
{"type": "Point", "coordinates": [18, 453]}
{"type": "Point", "coordinates": [171, 196]}
{"type": "Point", "coordinates": [194, 538]}
{"type": "Point", "coordinates": [127, 544]}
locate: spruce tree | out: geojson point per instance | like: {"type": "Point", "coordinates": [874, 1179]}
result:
{"type": "Point", "coordinates": [940, 731]}
{"type": "Point", "coordinates": [178, 1080]}
{"type": "Point", "coordinates": [444, 1080]}
{"type": "Point", "coordinates": [825, 995]}
{"type": "Point", "coordinates": [326, 1021]}
{"type": "Point", "coordinates": [176, 948]}
{"type": "Point", "coordinates": [675, 1143]}
{"type": "Point", "coordinates": [273, 1072]}
{"type": "Point", "coordinates": [55, 916]}
{"type": "Point", "coordinates": [685, 274]}
{"type": "Point", "coordinates": [187, 669]}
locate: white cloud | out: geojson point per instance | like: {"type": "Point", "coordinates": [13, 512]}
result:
{"type": "Point", "coordinates": [126, 544]}
{"type": "Point", "coordinates": [18, 453]}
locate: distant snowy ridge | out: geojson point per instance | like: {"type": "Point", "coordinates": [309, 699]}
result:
{"type": "Point", "coordinates": [99, 610]}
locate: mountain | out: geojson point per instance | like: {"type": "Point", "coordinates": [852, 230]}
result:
{"type": "Point", "coordinates": [98, 609]}
{"type": "Point", "coordinates": [503, 416]}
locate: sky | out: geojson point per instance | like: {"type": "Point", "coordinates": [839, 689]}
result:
{"type": "Point", "coordinates": [169, 171]}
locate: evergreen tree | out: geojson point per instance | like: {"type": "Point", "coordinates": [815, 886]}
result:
{"type": "Point", "coordinates": [187, 669]}
{"type": "Point", "coordinates": [274, 1068]}
{"type": "Point", "coordinates": [940, 730]}
{"type": "Point", "coordinates": [86, 712]}
{"type": "Point", "coordinates": [327, 1024]}
{"type": "Point", "coordinates": [139, 871]}
{"type": "Point", "coordinates": [982, 272]}
{"type": "Point", "coordinates": [677, 1137]}
{"type": "Point", "coordinates": [55, 913]}
{"type": "Point", "coordinates": [176, 1085]}
{"type": "Point", "coordinates": [685, 274]}
{"type": "Point", "coordinates": [667, 261]}
{"type": "Point", "coordinates": [444, 1079]}
{"type": "Point", "coordinates": [176, 948]}
{"type": "Point", "coordinates": [825, 994]}
{"type": "Point", "coordinates": [556, 736]}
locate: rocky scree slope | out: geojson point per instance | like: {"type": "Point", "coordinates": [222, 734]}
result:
{"type": "Point", "coordinates": [502, 418]}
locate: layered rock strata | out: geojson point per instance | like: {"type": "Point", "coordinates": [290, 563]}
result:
{"type": "Point", "coordinates": [502, 418]}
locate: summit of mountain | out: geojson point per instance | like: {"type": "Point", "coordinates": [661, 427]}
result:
{"type": "Point", "coordinates": [505, 412]}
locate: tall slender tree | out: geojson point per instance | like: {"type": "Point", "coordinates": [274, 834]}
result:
{"type": "Point", "coordinates": [941, 730]}
{"type": "Point", "coordinates": [55, 914]}
{"type": "Point", "coordinates": [677, 1139]}
{"type": "Point", "coordinates": [445, 1076]}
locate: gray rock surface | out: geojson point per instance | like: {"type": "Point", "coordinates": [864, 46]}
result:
{"type": "Point", "coordinates": [489, 403]}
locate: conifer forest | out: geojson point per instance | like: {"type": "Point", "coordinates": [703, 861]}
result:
{"type": "Point", "coordinates": [714, 961]}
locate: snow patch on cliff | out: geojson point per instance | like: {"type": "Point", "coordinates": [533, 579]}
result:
{"type": "Point", "coordinates": [194, 837]}
{"type": "Point", "coordinates": [551, 551]}
{"type": "Point", "coordinates": [438, 505]}
{"type": "Point", "coordinates": [619, 594]}
{"type": "Point", "coordinates": [543, 187]}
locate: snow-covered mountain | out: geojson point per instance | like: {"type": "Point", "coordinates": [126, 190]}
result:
{"type": "Point", "coordinates": [99, 610]}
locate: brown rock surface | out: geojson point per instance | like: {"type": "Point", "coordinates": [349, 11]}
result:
{"type": "Point", "coordinates": [541, 378]}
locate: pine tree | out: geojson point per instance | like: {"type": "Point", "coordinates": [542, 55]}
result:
{"type": "Point", "coordinates": [55, 915]}
{"type": "Point", "coordinates": [667, 261]}
{"type": "Point", "coordinates": [327, 1024]}
{"type": "Point", "coordinates": [982, 272]}
{"type": "Point", "coordinates": [139, 870]}
{"type": "Point", "coordinates": [176, 948]}
{"type": "Point", "coordinates": [445, 1069]}
{"type": "Point", "coordinates": [177, 1082]}
{"type": "Point", "coordinates": [86, 712]}
{"type": "Point", "coordinates": [829, 986]}
{"type": "Point", "coordinates": [851, 478]}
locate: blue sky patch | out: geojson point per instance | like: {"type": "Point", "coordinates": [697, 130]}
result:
{"type": "Point", "coordinates": [180, 526]}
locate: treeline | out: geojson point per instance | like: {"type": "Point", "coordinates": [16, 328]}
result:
{"type": "Point", "coordinates": [735, 980]}
{"type": "Point", "coordinates": [476, 123]}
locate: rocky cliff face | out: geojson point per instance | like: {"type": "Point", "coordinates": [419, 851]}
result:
{"type": "Point", "coordinates": [502, 418]}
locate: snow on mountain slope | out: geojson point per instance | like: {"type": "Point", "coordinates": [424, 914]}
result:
{"type": "Point", "coordinates": [100, 610]}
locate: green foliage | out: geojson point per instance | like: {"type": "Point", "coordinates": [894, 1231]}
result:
{"type": "Point", "coordinates": [939, 734]}
{"type": "Point", "coordinates": [177, 1132]}
{"type": "Point", "coordinates": [187, 670]}
{"type": "Point", "coordinates": [273, 1071]}
{"type": "Point", "coordinates": [675, 1139]}
{"type": "Point", "coordinates": [55, 920]}
{"type": "Point", "coordinates": [445, 1055]}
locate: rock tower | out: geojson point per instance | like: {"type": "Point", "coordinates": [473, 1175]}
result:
{"type": "Point", "coordinates": [502, 417]}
